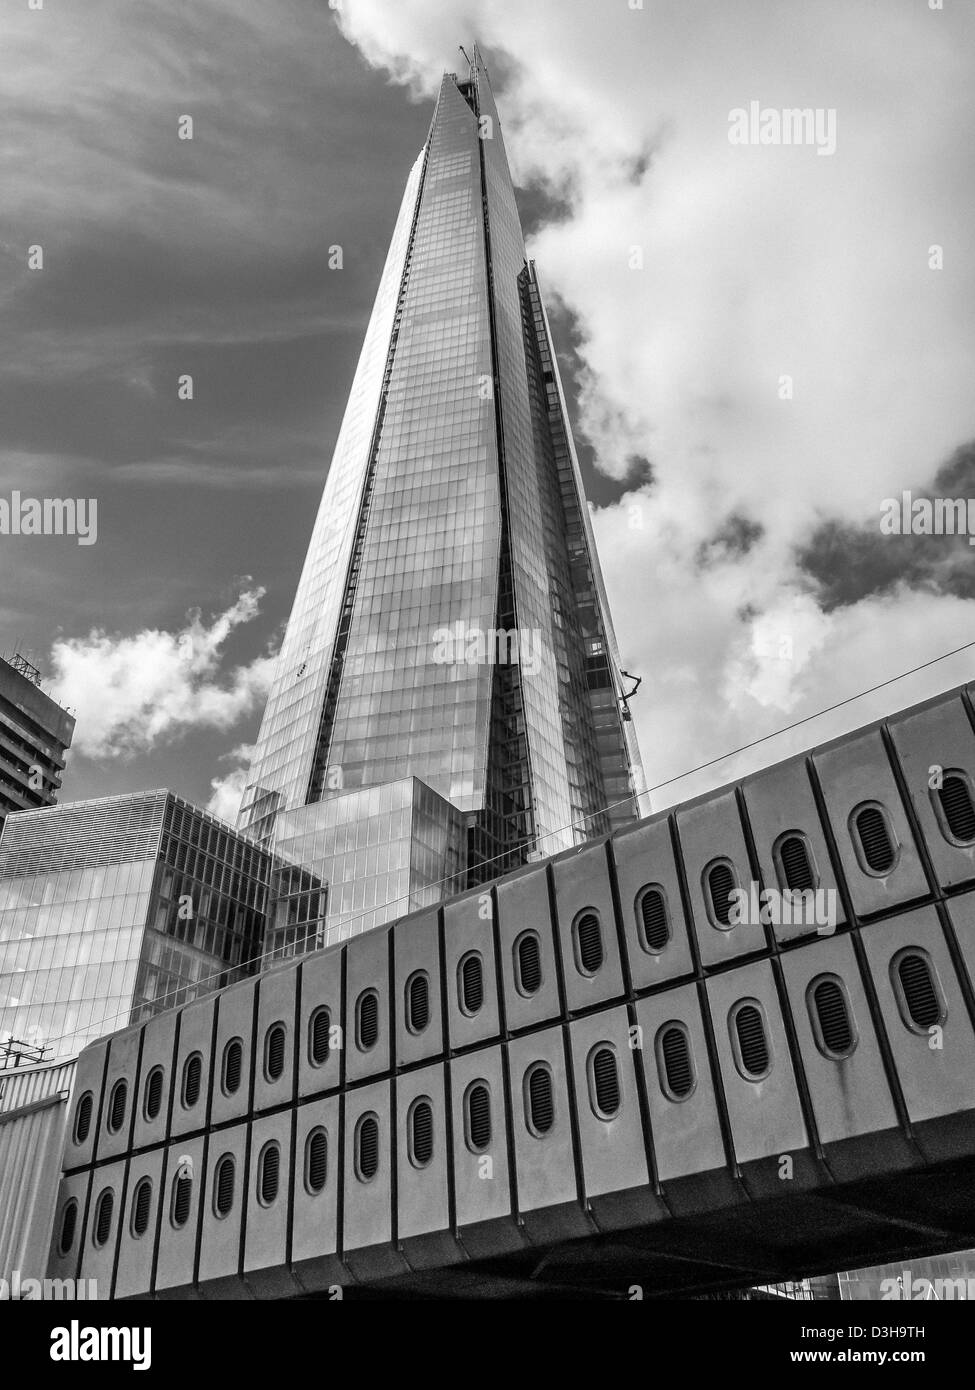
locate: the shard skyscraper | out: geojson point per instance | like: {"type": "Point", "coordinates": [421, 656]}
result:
{"type": "Point", "coordinates": [447, 702]}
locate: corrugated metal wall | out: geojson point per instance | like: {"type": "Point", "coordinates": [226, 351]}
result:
{"type": "Point", "coordinates": [33, 1108]}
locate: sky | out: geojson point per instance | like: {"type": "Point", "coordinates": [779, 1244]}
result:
{"type": "Point", "coordinates": [762, 343]}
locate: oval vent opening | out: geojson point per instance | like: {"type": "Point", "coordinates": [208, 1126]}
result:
{"type": "Point", "coordinates": [116, 1112]}
{"type": "Point", "coordinates": [959, 811]}
{"type": "Point", "coordinates": [192, 1076]}
{"type": "Point", "coordinates": [103, 1216]}
{"type": "Point", "coordinates": [270, 1173]}
{"type": "Point", "coordinates": [721, 885]}
{"type": "Point", "coordinates": [674, 1052]}
{"type": "Point", "coordinates": [421, 1133]}
{"type": "Point", "coordinates": [82, 1122]}
{"type": "Point", "coordinates": [69, 1223]}
{"type": "Point", "coordinates": [182, 1196]}
{"type": "Point", "coordinates": [141, 1207]}
{"type": "Point", "coordinates": [233, 1062]}
{"type": "Point", "coordinates": [920, 993]}
{"type": "Point", "coordinates": [541, 1102]}
{"type": "Point", "coordinates": [875, 841]}
{"type": "Point", "coordinates": [835, 1026]}
{"type": "Point", "coordinates": [274, 1052]}
{"type": "Point", "coordinates": [367, 1148]}
{"type": "Point", "coordinates": [223, 1188]}
{"type": "Point", "coordinates": [654, 920]}
{"type": "Point", "coordinates": [471, 984]}
{"type": "Point", "coordinates": [478, 1117]}
{"type": "Point", "coordinates": [418, 1001]}
{"type": "Point", "coordinates": [797, 868]}
{"type": "Point", "coordinates": [605, 1083]}
{"type": "Point", "coordinates": [752, 1042]}
{"type": "Point", "coordinates": [589, 943]}
{"type": "Point", "coordinates": [154, 1089]}
{"type": "Point", "coordinates": [316, 1160]}
{"type": "Point", "coordinates": [318, 1030]}
{"type": "Point", "coordinates": [528, 959]}
{"type": "Point", "coordinates": [367, 1020]}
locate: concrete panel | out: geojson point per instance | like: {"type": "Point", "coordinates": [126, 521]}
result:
{"type": "Point", "coordinates": [644, 859]}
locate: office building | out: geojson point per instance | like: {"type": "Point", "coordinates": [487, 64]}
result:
{"type": "Point", "coordinates": [35, 733]}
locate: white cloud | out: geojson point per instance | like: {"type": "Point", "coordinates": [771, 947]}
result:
{"type": "Point", "coordinates": [758, 262]}
{"type": "Point", "coordinates": [227, 790]}
{"type": "Point", "coordinates": [131, 693]}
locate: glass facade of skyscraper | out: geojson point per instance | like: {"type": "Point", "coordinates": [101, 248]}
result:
{"type": "Point", "coordinates": [450, 624]}
{"type": "Point", "coordinates": [114, 909]}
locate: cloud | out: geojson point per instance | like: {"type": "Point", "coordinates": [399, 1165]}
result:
{"type": "Point", "coordinates": [745, 580]}
{"type": "Point", "coordinates": [132, 693]}
{"type": "Point", "coordinates": [228, 789]}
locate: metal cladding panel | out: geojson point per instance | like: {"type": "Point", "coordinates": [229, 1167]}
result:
{"type": "Point", "coordinates": [320, 988]}
{"type": "Point", "coordinates": [277, 997]}
{"type": "Point", "coordinates": [850, 1094]}
{"type": "Point", "coordinates": [314, 1231]}
{"type": "Point", "coordinates": [88, 1082]}
{"type": "Point", "coordinates": [235, 1023]}
{"type": "Point", "coordinates": [367, 968]}
{"type": "Point", "coordinates": [611, 1139]}
{"type": "Point", "coordinates": [936, 1080]}
{"type": "Point", "coordinates": [709, 831]}
{"type": "Point", "coordinates": [422, 1196]}
{"type": "Point", "coordinates": [98, 1257]}
{"type": "Point", "coordinates": [158, 1046]}
{"type": "Point", "coordinates": [961, 910]}
{"type": "Point", "coordinates": [177, 1244]}
{"type": "Point", "coordinates": [416, 953]}
{"type": "Point", "coordinates": [937, 737]}
{"type": "Point", "coordinates": [133, 1277]}
{"type": "Point", "coordinates": [582, 888]}
{"type": "Point", "coordinates": [853, 774]}
{"type": "Point", "coordinates": [482, 1181]}
{"type": "Point", "coordinates": [63, 1264]}
{"type": "Point", "coordinates": [780, 800]}
{"type": "Point", "coordinates": [266, 1246]}
{"type": "Point", "coordinates": [122, 1072]}
{"type": "Point", "coordinates": [765, 1115]}
{"type": "Point", "coordinates": [545, 1163]}
{"type": "Point", "coordinates": [469, 928]}
{"type": "Point", "coordinates": [220, 1235]}
{"type": "Point", "coordinates": [686, 1133]}
{"type": "Point", "coordinates": [195, 1037]}
{"type": "Point", "coordinates": [523, 906]}
{"type": "Point", "coordinates": [367, 1218]}
{"type": "Point", "coordinates": [644, 858]}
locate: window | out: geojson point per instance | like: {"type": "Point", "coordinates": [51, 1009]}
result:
{"type": "Point", "coordinates": [192, 1076]}
{"type": "Point", "coordinates": [794, 862]}
{"type": "Point", "coordinates": [367, 1148]}
{"type": "Point", "coordinates": [182, 1197]}
{"type": "Point", "coordinates": [367, 1020]}
{"type": "Point", "coordinates": [419, 1125]}
{"type": "Point", "coordinates": [955, 807]}
{"type": "Point", "coordinates": [82, 1117]}
{"type": "Point", "coordinates": [652, 918]}
{"type": "Point", "coordinates": [141, 1207]}
{"type": "Point", "coordinates": [749, 1041]}
{"type": "Point", "coordinates": [604, 1082]}
{"type": "Point", "coordinates": [470, 976]}
{"type": "Point", "coordinates": [316, 1161]}
{"type": "Point", "coordinates": [873, 840]}
{"type": "Point", "coordinates": [721, 881]}
{"type": "Point", "coordinates": [152, 1101]}
{"type": "Point", "coordinates": [477, 1116]}
{"type": "Point", "coordinates": [675, 1064]}
{"type": "Point", "coordinates": [418, 1001]}
{"type": "Point", "coordinates": [588, 938]}
{"type": "Point", "coordinates": [917, 989]}
{"type": "Point", "coordinates": [223, 1186]}
{"type": "Point", "coordinates": [539, 1100]}
{"type": "Point", "coordinates": [116, 1107]}
{"type": "Point", "coordinates": [69, 1223]}
{"type": "Point", "coordinates": [319, 1027]}
{"type": "Point", "coordinates": [274, 1042]}
{"type": "Point", "coordinates": [528, 964]}
{"type": "Point", "coordinates": [831, 1017]}
{"type": "Point", "coordinates": [103, 1217]}
{"type": "Point", "coordinates": [268, 1173]}
{"type": "Point", "coordinates": [233, 1063]}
